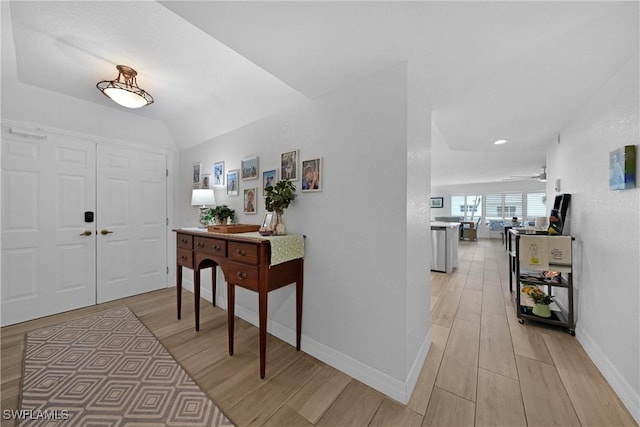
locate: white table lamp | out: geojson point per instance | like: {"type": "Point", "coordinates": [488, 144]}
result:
{"type": "Point", "coordinates": [203, 198]}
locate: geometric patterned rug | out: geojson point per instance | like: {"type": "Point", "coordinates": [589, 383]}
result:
{"type": "Point", "coordinates": [109, 370]}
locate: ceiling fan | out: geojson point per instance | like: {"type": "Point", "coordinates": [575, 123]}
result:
{"type": "Point", "coordinates": [542, 176]}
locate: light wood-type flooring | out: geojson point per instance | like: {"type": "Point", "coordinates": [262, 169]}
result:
{"type": "Point", "coordinates": [483, 368]}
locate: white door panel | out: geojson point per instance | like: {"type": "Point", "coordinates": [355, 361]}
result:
{"type": "Point", "coordinates": [132, 211]}
{"type": "Point", "coordinates": [48, 265]}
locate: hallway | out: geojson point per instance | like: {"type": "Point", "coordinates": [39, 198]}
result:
{"type": "Point", "coordinates": [483, 368]}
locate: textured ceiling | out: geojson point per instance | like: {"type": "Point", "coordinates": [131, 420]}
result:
{"type": "Point", "coordinates": [514, 70]}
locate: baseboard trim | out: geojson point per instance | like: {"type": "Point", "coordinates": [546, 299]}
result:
{"type": "Point", "coordinates": [374, 378]}
{"type": "Point", "coordinates": [629, 397]}
{"type": "Point", "coordinates": [416, 368]}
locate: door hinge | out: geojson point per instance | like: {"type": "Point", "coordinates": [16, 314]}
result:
{"type": "Point", "coordinates": [167, 221]}
{"type": "Point", "coordinates": [167, 172]}
{"type": "Point", "coordinates": [167, 269]}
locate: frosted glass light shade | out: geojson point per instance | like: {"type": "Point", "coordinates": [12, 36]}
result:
{"type": "Point", "coordinates": [125, 98]}
{"type": "Point", "coordinates": [124, 90]}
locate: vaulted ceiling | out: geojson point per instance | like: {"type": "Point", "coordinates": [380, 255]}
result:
{"type": "Point", "coordinates": [492, 70]}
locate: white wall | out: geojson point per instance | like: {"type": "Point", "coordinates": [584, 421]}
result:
{"type": "Point", "coordinates": [606, 225]}
{"type": "Point", "coordinates": [357, 272]}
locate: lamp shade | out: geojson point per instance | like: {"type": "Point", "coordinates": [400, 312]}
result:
{"type": "Point", "coordinates": [203, 197]}
{"type": "Point", "coordinates": [124, 90]}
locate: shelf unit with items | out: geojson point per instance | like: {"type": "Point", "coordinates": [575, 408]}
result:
{"type": "Point", "coordinates": [542, 264]}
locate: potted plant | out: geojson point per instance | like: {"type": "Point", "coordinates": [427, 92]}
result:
{"type": "Point", "coordinates": [541, 302]}
{"type": "Point", "coordinates": [219, 215]}
{"type": "Point", "coordinates": [278, 198]}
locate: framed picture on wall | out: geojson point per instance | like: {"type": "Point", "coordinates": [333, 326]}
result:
{"type": "Point", "coordinates": [289, 165]}
{"type": "Point", "coordinates": [218, 173]}
{"type": "Point", "coordinates": [269, 177]}
{"type": "Point", "coordinates": [196, 175]}
{"type": "Point", "coordinates": [437, 202]}
{"type": "Point", "coordinates": [622, 168]}
{"type": "Point", "coordinates": [311, 175]}
{"type": "Point", "coordinates": [249, 169]}
{"type": "Point", "coordinates": [250, 200]}
{"type": "Point", "coordinates": [206, 181]}
{"type": "Point", "coordinates": [232, 182]}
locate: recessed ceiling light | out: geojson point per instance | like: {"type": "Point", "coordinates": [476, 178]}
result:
{"type": "Point", "coordinates": [500, 142]}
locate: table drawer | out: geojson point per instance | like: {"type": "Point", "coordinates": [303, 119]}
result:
{"type": "Point", "coordinates": [243, 252]}
{"type": "Point", "coordinates": [243, 275]}
{"type": "Point", "coordinates": [211, 246]}
{"type": "Point", "coordinates": [185, 258]}
{"type": "Point", "coordinates": [185, 241]}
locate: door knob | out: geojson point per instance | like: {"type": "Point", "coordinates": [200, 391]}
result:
{"type": "Point", "coordinates": [105, 231]}
{"type": "Point", "coordinates": [86, 233]}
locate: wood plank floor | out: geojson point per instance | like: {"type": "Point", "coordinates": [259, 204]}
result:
{"type": "Point", "coordinates": [483, 368]}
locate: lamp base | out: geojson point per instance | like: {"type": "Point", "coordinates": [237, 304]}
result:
{"type": "Point", "coordinates": [203, 212]}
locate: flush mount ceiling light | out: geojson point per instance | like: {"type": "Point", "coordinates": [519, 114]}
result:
{"type": "Point", "coordinates": [124, 90]}
{"type": "Point", "coordinates": [500, 142]}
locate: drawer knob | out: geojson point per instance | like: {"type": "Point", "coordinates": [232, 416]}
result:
{"type": "Point", "coordinates": [241, 275]}
{"type": "Point", "coordinates": [216, 248]}
{"type": "Point", "coordinates": [184, 241]}
{"type": "Point", "coordinates": [241, 252]}
{"type": "Point", "coordinates": [184, 258]}
{"type": "Point", "coordinates": [200, 245]}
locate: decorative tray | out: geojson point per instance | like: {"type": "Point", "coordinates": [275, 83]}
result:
{"type": "Point", "coordinates": [233, 228]}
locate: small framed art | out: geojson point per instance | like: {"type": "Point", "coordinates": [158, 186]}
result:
{"type": "Point", "coordinates": [265, 228]}
{"type": "Point", "coordinates": [269, 178]}
{"type": "Point", "coordinates": [289, 165]}
{"type": "Point", "coordinates": [232, 182]}
{"type": "Point", "coordinates": [249, 168]}
{"type": "Point", "coordinates": [250, 200]}
{"type": "Point", "coordinates": [437, 202]}
{"type": "Point", "coordinates": [622, 168]}
{"type": "Point", "coordinates": [311, 175]}
{"type": "Point", "coordinates": [206, 181]}
{"type": "Point", "coordinates": [196, 175]}
{"type": "Point", "coordinates": [218, 173]}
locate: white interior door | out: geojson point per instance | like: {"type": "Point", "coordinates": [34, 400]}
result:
{"type": "Point", "coordinates": [132, 231]}
{"type": "Point", "coordinates": [48, 251]}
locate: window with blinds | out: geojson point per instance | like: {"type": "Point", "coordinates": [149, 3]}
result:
{"type": "Point", "coordinates": [512, 205]}
{"type": "Point", "coordinates": [499, 206]}
{"type": "Point", "coordinates": [466, 205]}
{"type": "Point", "coordinates": [536, 205]}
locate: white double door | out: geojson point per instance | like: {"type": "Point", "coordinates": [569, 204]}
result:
{"type": "Point", "coordinates": [53, 258]}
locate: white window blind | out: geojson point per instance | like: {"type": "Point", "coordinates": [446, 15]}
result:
{"type": "Point", "coordinates": [512, 205]}
{"type": "Point", "coordinates": [536, 205]}
{"type": "Point", "coordinates": [494, 206]}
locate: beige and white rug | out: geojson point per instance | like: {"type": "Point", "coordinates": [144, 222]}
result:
{"type": "Point", "coordinates": [109, 370]}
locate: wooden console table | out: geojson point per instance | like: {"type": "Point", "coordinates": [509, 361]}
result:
{"type": "Point", "coordinates": [245, 260]}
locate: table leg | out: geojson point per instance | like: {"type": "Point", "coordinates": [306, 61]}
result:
{"type": "Point", "coordinates": [231, 305]}
{"type": "Point", "coordinates": [262, 314]}
{"type": "Point", "coordinates": [299, 286]}
{"type": "Point", "coordinates": [213, 285]}
{"type": "Point", "coordinates": [196, 296]}
{"type": "Point", "coordinates": [179, 288]}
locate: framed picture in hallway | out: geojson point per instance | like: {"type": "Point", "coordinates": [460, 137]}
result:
{"type": "Point", "coordinates": [437, 202]}
{"type": "Point", "coordinates": [622, 168]}
{"type": "Point", "coordinates": [232, 182]}
{"type": "Point", "coordinates": [218, 173]}
{"type": "Point", "coordinates": [289, 165]}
